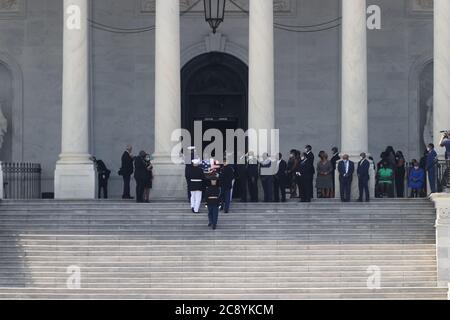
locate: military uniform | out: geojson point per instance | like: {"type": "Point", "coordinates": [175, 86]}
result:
{"type": "Point", "coordinates": [213, 200]}
{"type": "Point", "coordinates": [195, 177]}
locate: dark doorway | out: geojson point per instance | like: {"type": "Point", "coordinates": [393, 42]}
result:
{"type": "Point", "coordinates": [214, 90]}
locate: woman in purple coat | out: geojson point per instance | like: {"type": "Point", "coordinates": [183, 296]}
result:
{"type": "Point", "coordinates": [416, 179]}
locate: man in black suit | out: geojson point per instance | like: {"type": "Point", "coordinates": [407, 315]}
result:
{"type": "Point", "coordinates": [303, 173]}
{"type": "Point", "coordinates": [310, 171]}
{"type": "Point", "coordinates": [346, 169]}
{"type": "Point", "coordinates": [141, 175]}
{"type": "Point", "coordinates": [252, 176]}
{"type": "Point", "coordinates": [126, 170]}
{"type": "Point", "coordinates": [280, 180]}
{"type": "Point", "coordinates": [363, 177]}
{"type": "Point", "coordinates": [103, 176]}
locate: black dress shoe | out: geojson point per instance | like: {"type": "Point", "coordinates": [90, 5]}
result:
{"type": "Point", "coordinates": [209, 225]}
{"type": "Point", "coordinates": [214, 227]}
{"type": "Point", "coordinates": [192, 210]}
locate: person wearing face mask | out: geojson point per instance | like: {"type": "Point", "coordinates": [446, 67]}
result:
{"type": "Point", "coordinates": [363, 178]}
{"type": "Point", "coordinates": [416, 179]}
{"type": "Point", "coordinates": [430, 167]}
{"type": "Point", "coordinates": [346, 168]}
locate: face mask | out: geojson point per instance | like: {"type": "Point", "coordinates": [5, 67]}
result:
{"type": "Point", "coordinates": [417, 168]}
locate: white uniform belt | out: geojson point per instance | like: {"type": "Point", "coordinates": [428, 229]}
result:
{"type": "Point", "coordinates": [213, 197]}
{"type": "Point", "coordinates": [196, 180]}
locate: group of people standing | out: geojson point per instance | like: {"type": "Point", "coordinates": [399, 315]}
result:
{"type": "Point", "coordinates": [142, 167]}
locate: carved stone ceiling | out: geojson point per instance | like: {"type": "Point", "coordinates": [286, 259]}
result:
{"type": "Point", "coordinates": [281, 7]}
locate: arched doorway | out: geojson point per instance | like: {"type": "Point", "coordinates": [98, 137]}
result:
{"type": "Point", "coordinates": [214, 88]}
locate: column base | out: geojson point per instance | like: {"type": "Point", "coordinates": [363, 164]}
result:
{"type": "Point", "coordinates": [355, 188]}
{"type": "Point", "coordinates": [442, 205]}
{"type": "Point", "coordinates": [168, 180]}
{"type": "Point", "coordinates": [75, 181]}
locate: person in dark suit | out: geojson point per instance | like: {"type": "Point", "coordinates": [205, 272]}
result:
{"type": "Point", "coordinates": [126, 170]}
{"type": "Point", "coordinates": [363, 177]}
{"type": "Point", "coordinates": [103, 176]}
{"type": "Point", "coordinates": [280, 180]}
{"type": "Point", "coordinates": [252, 176]}
{"type": "Point", "coordinates": [226, 177]}
{"type": "Point", "coordinates": [346, 168]}
{"type": "Point", "coordinates": [303, 174]}
{"type": "Point", "coordinates": [140, 175]}
{"type": "Point", "coordinates": [311, 171]}
{"type": "Point", "coordinates": [430, 166]}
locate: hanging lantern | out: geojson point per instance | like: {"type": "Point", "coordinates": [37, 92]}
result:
{"type": "Point", "coordinates": [214, 13]}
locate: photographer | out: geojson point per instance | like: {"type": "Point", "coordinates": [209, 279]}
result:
{"type": "Point", "coordinates": [445, 143]}
{"type": "Point", "coordinates": [103, 177]}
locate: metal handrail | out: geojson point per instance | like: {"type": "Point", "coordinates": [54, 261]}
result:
{"type": "Point", "coordinates": [21, 180]}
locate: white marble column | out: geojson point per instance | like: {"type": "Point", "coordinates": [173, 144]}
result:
{"type": "Point", "coordinates": [354, 111]}
{"type": "Point", "coordinates": [261, 70]}
{"type": "Point", "coordinates": [354, 133]}
{"type": "Point", "coordinates": [75, 174]}
{"type": "Point", "coordinates": [168, 176]}
{"type": "Point", "coordinates": [441, 113]}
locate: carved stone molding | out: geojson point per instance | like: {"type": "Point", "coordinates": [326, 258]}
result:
{"type": "Point", "coordinates": [419, 8]}
{"type": "Point", "coordinates": [10, 9]}
{"type": "Point", "coordinates": [281, 7]}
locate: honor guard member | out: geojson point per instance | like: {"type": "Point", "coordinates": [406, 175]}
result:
{"type": "Point", "coordinates": [195, 178]}
{"type": "Point", "coordinates": [213, 195]}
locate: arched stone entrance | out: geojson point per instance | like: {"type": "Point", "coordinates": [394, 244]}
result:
{"type": "Point", "coordinates": [214, 89]}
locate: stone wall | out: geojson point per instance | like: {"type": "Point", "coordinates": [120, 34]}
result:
{"type": "Point", "coordinates": [307, 75]}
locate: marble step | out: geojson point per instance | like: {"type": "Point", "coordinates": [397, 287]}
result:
{"type": "Point", "coordinates": [226, 294]}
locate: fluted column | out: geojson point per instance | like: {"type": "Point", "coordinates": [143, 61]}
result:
{"type": "Point", "coordinates": [75, 174]}
{"type": "Point", "coordinates": [354, 109]}
{"type": "Point", "coordinates": [354, 133]}
{"type": "Point", "coordinates": [167, 76]}
{"type": "Point", "coordinates": [441, 111]}
{"type": "Point", "coordinates": [169, 177]}
{"type": "Point", "coordinates": [261, 69]}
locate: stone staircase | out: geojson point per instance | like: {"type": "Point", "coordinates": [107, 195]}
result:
{"type": "Point", "coordinates": [123, 250]}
